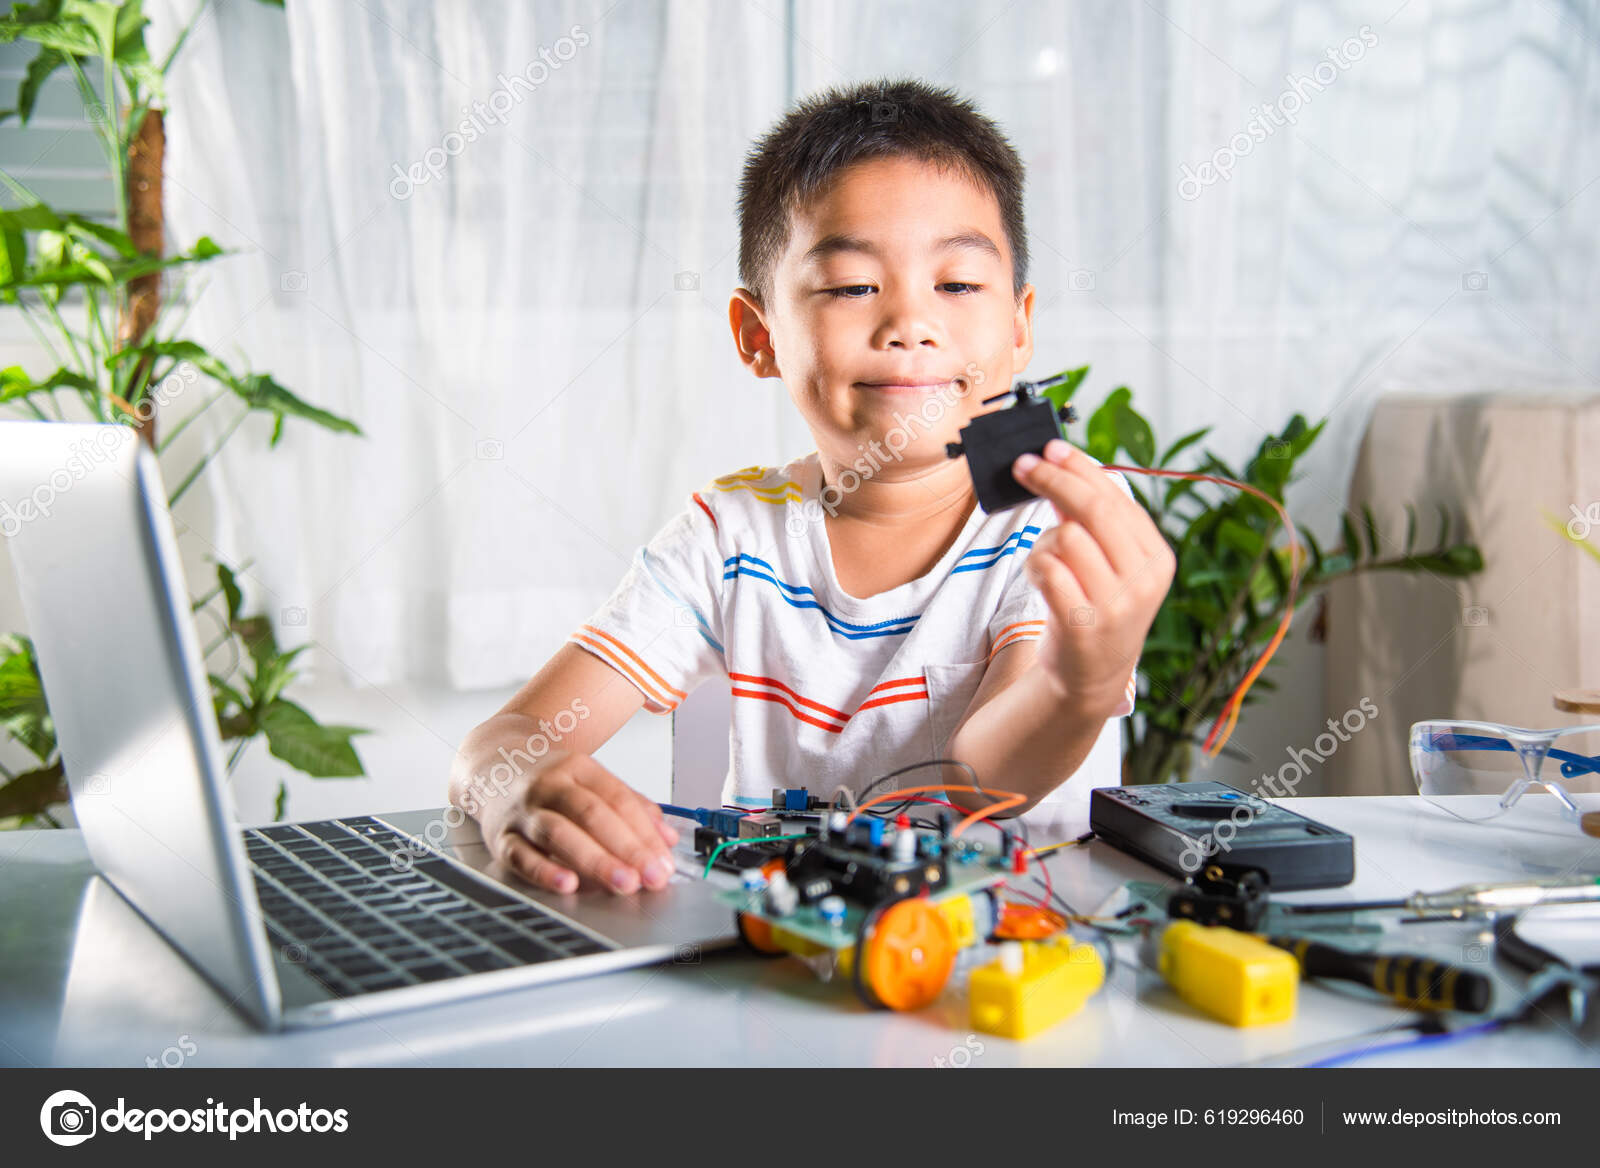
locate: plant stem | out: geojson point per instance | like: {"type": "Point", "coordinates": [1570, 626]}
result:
{"type": "Point", "coordinates": [172, 434]}
{"type": "Point", "coordinates": [72, 341]}
{"type": "Point", "coordinates": [183, 36]}
{"type": "Point", "coordinates": [38, 332]}
{"type": "Point", "coordinates": [188, 479]}
{"type": "Point", "coordinates": [233, 759]}
{"type": "Point", "coordinates": [119, 161]}
{"type": "Point", "coordinates": [1224, 628]}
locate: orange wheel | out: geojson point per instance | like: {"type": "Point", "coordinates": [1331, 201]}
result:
{"type": "Point", "coordinates": [757, 934]}
{"type": "Point", "coordinates": [906, 955]}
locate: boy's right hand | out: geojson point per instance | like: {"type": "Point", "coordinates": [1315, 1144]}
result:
{"type": "Point", "coordinates": [570, 818]}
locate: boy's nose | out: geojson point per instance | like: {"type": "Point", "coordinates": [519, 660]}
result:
{"type": "Point", "coordinates": [909, 329]}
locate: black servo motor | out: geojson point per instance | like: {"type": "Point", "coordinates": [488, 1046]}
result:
{"type": "Point", "coordinates": [993, 441]}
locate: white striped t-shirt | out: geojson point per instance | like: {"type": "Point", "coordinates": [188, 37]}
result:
{"type": "Point", "coordinates": [828, 688]}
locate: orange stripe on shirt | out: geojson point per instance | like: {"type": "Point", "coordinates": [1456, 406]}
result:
{"type": "Point", "coordinates": [887, 698]}
{"type": "Point", "coordinates": [661, 681]}
{"type": "Point", "coordinates": [609, 656]}
{"type": "Point", "coordinates": [696, 497]}
{"type": "Point", "coordinates": [786, 704]}
{"type": "Point", "coordinates": [890, 699]}
{"type": "Point", "coordinates": [776, 684]}
{"type": "Point", "coordinates": [1001, 635]}
{"type": "Point", "coordinates": [1025, 635]}
{"type": "Point", "coordinates": [899, 681]}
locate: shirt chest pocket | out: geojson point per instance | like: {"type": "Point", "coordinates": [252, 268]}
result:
{"type": "Point", "coordinates": [951, 689]}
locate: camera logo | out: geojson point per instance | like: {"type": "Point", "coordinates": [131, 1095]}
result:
{"type": "Point", "coordinates": [68, 1118]}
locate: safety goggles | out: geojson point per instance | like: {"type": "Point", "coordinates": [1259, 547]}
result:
{"type": "Point", "coordinates": [1479, 771]}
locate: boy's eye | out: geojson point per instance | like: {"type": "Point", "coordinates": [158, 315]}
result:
{"type": "Point", "coordinates": [851, 291]}
{"type": "Point", "coordinates": [960, 289]}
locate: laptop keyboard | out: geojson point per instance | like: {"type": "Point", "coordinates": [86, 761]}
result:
{"type": "Point", "coordinates": [362, 908]}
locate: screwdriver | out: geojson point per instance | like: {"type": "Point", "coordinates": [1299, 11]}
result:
{"type": "Point", "coordinates": [1418, 982]}
{"type": "Point", "coordinates": [1474, 898]}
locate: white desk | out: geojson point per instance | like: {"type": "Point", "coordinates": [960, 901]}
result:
{"type": "Point", "coordinates": [84, 982]}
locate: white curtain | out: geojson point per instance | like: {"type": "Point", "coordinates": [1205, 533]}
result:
{"type": "Point", "coordinates": [534, 338]}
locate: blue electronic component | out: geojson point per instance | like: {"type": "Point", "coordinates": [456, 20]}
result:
{"type": "Point", "coordinates": [875, 832]}
{"type": "Point", "coordinates": [722, 822]}
{"type": "Point", "coordinates": [796, 799]}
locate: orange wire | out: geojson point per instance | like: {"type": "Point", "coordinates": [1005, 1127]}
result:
{"type": "Point", "coordinates": [999, 805]}
{"type": "Point", "coordinates": [1222, 729]}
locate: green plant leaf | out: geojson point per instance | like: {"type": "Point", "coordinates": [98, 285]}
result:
{"type": "Point", "coordinates": [1242, 539]}
{"type": "Point", "coordinates": [1347, 530]}
{"type": "Point", "coordinates": [33, 217]}
{"type": "Point", "coordinates": [1371, 523]}
{"type": "Point", "coordinates": [1180, 446]}
{"type": "Point", "coordinates": [261, 392]}
{"type": "Point", "coordinates": [1411, 527]}
{"type": "Point", "coordinates": [1100, 434]}
{"type": "Point", "coordinates": [23, 712]}
{"type": "Point", "coordinates": [1060, 394]}
{"type": "Point", "coordinates": [1315, 548]}
{"type": "Point", "coordinates": [230, 590]}
{"type": "Point", "coordinates": [1177, 490]}
{"type": "Point", "coordinates": [226, 695]}
{"type": "Point", "coordinates": [1134, 434]}
{"type": "Point", "coordinates": [323, 752]}
{"type": "Point", "coordinates": [66, 262]}
{"type": "Point", "coordinates": [273, 676]}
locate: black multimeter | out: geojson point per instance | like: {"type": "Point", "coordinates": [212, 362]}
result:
{"type": "Point", "coordinates": [1184, 828]}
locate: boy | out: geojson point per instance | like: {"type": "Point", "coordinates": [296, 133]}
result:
{"type": "Point", "coordinates": [868, 613]}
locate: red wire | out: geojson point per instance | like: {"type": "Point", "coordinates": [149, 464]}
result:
{"type": "Point", "coordinates": [1222, 729]}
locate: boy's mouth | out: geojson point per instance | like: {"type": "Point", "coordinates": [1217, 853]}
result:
{"type": "Point", "coordinates": [911, 385]}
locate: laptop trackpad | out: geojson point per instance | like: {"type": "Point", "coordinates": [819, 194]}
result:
{"type": "Point", "coordinates": [684, 912]}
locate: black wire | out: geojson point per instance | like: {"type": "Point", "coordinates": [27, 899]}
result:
{"type": "Point", "coordinates": [917, 766]}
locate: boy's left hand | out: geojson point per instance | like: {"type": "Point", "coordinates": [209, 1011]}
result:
{"type": "Point", "coordinates": [1103, 570]}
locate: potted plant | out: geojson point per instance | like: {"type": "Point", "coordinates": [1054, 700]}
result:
{"type": "Point", "coordinates": [1231, 589]}
{"type": "Point", "coordinates": [123, 363]}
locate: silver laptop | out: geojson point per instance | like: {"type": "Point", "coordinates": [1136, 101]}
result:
{"type": "Point", "coordinates": [295, 924]}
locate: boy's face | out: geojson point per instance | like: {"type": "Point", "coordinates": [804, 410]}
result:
{"type": "Point", "coordinates": [891, 314]}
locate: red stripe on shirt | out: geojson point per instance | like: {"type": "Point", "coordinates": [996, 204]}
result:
{"type": "Point", "coordinates": [696, 497]}
{"type": "Point", "coordinates": [786, 704]}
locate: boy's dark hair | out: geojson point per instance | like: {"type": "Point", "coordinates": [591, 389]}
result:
{"type": "Point", "coordinates": [838, 128]}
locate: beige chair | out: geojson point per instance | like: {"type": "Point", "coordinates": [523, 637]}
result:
{"type": "Point", "coordinates": [1494, 646]}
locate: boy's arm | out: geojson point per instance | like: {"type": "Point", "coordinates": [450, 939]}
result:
{"type": "Point", "coordinates": [547, 810]}
{"type": "Point", "coordinates": [1020, 733]}
{"type": "Point", "coordinates": [1103, 572]}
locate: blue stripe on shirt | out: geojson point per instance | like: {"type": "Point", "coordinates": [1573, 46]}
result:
{"type": "Point", "coordinates": [705, 629]}
{"type": "Point", "coordinates": [988, 557]}
{"type": "Point", "coordinates": [802, 597]}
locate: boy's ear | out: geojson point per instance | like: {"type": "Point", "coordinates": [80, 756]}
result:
{"type": "Point", "coordinates": [751, 335]}
{"type": "Point", "coordinates": [1022, 331]}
